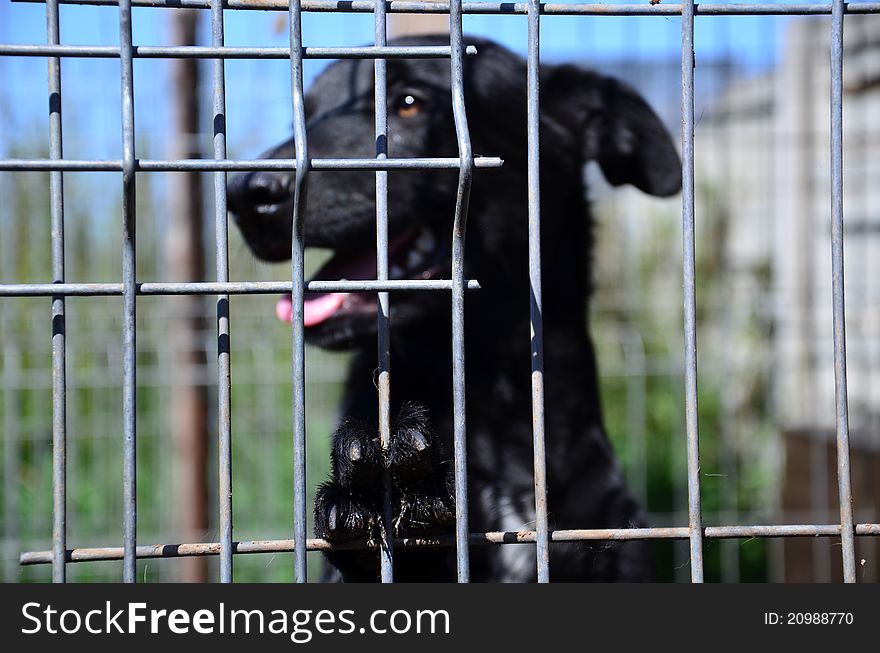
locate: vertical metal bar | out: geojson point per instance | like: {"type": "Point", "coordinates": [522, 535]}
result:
{"type": "Point", "coordinates": [129, 371]}
{"type": "Point", "coordinates": [297, 264]}
{"type": "Point", "coordinates": [695, 520]}
{"type": "Point", "coordinates": [466, 171]}
{"type": "Point", "coordinates": [382, 312]}
{"type": "Point", "coordinates": [536, 305]}
{"type": "Point", "coordinates": [224, 371]}
{"type": "Point", "coordinates": [844, 485]}
{"type": "Point", "coordinates": [59, 368]}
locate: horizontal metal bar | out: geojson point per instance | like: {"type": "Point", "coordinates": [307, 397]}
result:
{"type": "Point", "coordinates": [205, 52]}
{"type": "Point", "coordinates": [231, 288]}
{"type": "Point", "coordinates": [213, 165]}
{"type": "Point", "coordinates": [474, 539]}
{"type": "Point", "coordinates": [547, 9]}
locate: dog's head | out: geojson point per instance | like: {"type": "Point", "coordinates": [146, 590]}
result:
{"type": "Point", "coordinates": [584, 117]}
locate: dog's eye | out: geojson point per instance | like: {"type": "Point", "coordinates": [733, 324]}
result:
{"type": "Point", "coordinates": [408, 106]}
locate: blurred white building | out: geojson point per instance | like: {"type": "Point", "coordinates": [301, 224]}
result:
{"type": "Point", "coordinates": [773, 136]}
{"type": "Point", "coordinates": [764, 150]}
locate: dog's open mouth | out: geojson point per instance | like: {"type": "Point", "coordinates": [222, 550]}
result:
{"type": "Point", "coordinates": [413, 254]}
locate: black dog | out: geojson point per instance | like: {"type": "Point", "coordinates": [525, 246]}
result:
{"type": "Point", "coordinates": [584, 117]}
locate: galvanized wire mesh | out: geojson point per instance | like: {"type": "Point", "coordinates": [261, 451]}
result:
{"type": "Point", "coordinates": [130, 165]}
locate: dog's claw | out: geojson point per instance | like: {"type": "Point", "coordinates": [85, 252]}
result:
{"type": "Point", "coordinates": [419, 442]}
{"type": "Point", "coordinates": [331, 519]}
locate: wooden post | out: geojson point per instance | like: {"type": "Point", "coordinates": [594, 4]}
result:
{"type": "Point", "coordinates": [411, 24]}
{"type": "Point", "coordinates": [184, 248]}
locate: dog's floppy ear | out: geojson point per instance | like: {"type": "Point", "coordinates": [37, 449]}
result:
{"type": "Point", "coordinates": [615, 127]}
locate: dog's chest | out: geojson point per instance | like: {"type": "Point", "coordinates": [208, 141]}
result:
{"type": "Point", "coordinates": [516, 563]}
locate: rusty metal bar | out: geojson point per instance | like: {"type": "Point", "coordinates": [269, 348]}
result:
{"type": "Point", "coordinates": [695, 519]}
{"type": "Point", "coordinates": [844, 484]}
{"type": "Point", "coordinates": [297, 259]}
{"type": "Point", "coordinates": [536, 314]}
{"type": "Point", "coordinates": [474, 539]}
{"type": "Point", "coordinates": [224, 362]}
{"type": "Point", "coordinates": [129, 273]}
{"type": "Point", "coordinates": [465, 176]}
{"type": "Point", "coordinates": [383, 308]}
{"type": "Point", "coordinates": [59, 331]}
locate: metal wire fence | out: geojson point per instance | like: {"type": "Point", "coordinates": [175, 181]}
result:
{"type": "Point", "coordinates": [694, 532]}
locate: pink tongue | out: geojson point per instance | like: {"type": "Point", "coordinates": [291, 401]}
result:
{"type": "Point", "coordinates": [315, 310]}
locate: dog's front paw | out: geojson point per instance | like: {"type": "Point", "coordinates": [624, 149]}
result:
{"type": "Point", "coordinates": [345, 506]}
{"type": "Point", "coordinates": [350, 505]}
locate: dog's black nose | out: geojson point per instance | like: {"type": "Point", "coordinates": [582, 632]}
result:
{"type": "Point", "coordinates": [257, 189]}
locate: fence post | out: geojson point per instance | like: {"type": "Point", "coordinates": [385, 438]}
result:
{"type": "Point", "coordinates": [186, 262]}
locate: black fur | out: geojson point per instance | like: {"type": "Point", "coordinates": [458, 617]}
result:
{"type": "Point", "coordinates": [584, 117]}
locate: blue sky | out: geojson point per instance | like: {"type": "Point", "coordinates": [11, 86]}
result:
{"type": "Point", "coordinates": [258, 91]}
